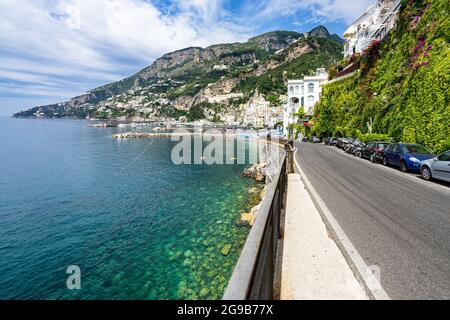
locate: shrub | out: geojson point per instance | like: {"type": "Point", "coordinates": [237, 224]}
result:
{"type": "Point", "coordinates": [405, 92]}
{"type": "Point", "coordinates": [374, 137]}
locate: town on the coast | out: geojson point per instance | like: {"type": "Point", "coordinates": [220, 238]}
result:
{"type": "Point", "coordinates": [338, 154]}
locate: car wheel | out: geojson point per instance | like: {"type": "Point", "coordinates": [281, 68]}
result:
{"type": "Point", "coordinates": [385, 161]}
{"type": "Point", "coordinates": [360, 154]}
{"type": "Point", "coordinates": [372, 158]}
{"type": "Point", "coordinates": [426, 173]}
{"type": "Point", "coordinates": [403, 166]}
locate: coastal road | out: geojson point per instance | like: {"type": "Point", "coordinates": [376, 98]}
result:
{"type": "Point", "coordinates": [394, 220]}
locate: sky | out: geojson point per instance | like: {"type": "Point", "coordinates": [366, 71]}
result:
{"type": "Point", "coordinates": [52, 50]}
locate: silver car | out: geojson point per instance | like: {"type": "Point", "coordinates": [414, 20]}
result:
{"type": "Point", "coordinates": [437, 168]}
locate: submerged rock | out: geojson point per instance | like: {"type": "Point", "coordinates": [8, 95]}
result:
{"type": "Point", "coordinates": [226, 249]}
{"type": "Point", "coordinates": [204, 293]}
{"type": "Point", "coordinates": [250, 217]}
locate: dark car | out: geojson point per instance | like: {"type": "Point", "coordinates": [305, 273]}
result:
{"type": "Point", "coordinates": [408, 157]}
{"type": "Point", "coordinates": [374, 151]}
{"type": "Point", "coordinates": [330, 141]}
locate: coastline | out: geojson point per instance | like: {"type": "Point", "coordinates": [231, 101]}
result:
{"type": "Point", "coordinates": [257, 171]}
{"type": "Point", "coordinates": [174, 228]}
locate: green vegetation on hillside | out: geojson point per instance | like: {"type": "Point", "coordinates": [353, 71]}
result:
{"type": "Point", "coordinates": [403, 86]}
{"type": "Point", "coordinates": [179, 76]}
{"type": "Point", "coordinates": [325, 51]}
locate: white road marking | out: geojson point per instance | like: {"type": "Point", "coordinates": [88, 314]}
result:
{"type": "Point", "coordinates": [354, 259]}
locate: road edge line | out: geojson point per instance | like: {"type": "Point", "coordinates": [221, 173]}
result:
{"type": "Point", "coordinates": [356, 263]}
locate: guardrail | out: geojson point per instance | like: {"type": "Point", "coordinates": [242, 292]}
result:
{"type": "Point", "coordinates": [253, 275]}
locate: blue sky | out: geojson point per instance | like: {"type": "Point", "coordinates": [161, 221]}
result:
{"type": "Point", "coordinates": [53, 50]}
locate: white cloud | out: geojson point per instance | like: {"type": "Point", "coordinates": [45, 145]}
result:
{"type": "Point", "coordinates": [58, 47]}
{"type": "Point", "coordinates": [332, 10]}
{"type": "Point", "coordinates": [96, 41]}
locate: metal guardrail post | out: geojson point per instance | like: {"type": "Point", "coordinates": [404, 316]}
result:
{"type": "Point", "coordinates": [289, 147]}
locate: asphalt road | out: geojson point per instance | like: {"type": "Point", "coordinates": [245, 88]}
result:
{"type": "Point", "coordinates": [396, 221]}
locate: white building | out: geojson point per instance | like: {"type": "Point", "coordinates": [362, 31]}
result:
{"type": "Point", "coordinates": [220, 67]}
{"type": "Point", "coordinates": [259, 113]}
{"type": "Point", "coordinates": [303, 93]}
{"type": "Point", "coordinates": [374, 24]}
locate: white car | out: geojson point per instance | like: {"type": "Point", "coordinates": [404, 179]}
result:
{"type": "Point", "coordinates": [437, 168]}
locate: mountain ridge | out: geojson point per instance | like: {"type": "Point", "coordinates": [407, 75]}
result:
{"type": "Point", "coordinates": [180, 79]}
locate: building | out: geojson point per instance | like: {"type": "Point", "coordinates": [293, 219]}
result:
{"type": "Point", "coordinates": [303, 93]}
{"type": "Point", "coordinates": [259, 113]}
{"type": "Point", "coordinates": [256, 112]}
{"type": "Point", "coordinates": [220, 67]}
{"type": "Point", "coordinates": [374, 24]}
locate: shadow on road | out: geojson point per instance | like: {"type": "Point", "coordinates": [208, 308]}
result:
{"type": "Point", "coordinates": [440, 182]}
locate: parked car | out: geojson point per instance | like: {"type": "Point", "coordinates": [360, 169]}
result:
{"type": "Point", "coordinates": [437, 168]}
{"type": "Point", "coordinates": [374, 151]}
{"type": "Point", "coordinates": [331, 142]}
{"type": "Point", "coordinates": [315, 140]}
{"type": "Point", "coordinates": [408, 157]}
{"type": "Point", "coordinates": [305, 139]}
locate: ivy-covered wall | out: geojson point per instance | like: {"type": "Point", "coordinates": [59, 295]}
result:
{"type": "Point", "coordinates": [403, 87]}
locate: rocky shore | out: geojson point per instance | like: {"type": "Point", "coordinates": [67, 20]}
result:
{"type": "Point", "coordinates": [258, 172]}
{"type": "Point", "coordinates": [256, 195]}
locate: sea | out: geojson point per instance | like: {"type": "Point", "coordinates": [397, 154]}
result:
{"type": "Point", "coordinates": [85, 216]}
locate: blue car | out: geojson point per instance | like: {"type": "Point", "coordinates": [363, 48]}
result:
{"type": "Point", "coordinates": [408, 157]}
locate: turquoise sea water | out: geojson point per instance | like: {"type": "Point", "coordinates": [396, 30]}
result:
{"type": "Point", "coordinates": [138, 226]}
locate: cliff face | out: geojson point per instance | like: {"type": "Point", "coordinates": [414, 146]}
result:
{"type": "Point", "coordinates": [274, 41]}
{"type": "Point", "coordinates": [179, 80]}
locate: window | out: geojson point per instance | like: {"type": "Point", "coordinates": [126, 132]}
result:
{"type": "Point", "coordinates": [311, 87]}
{"type": "Point", "coordinates": [296, 90]}
{"type": "Point", "coordinates": [416, 148]}
{"type": "Point", "coordinates": [444, 156]}
{"type": "Point", "coordinates": [311, 99]}
{"type": "Point", "coordinates": [291, 89]}
{"type": "Point", "coordinates": [303, 90]}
